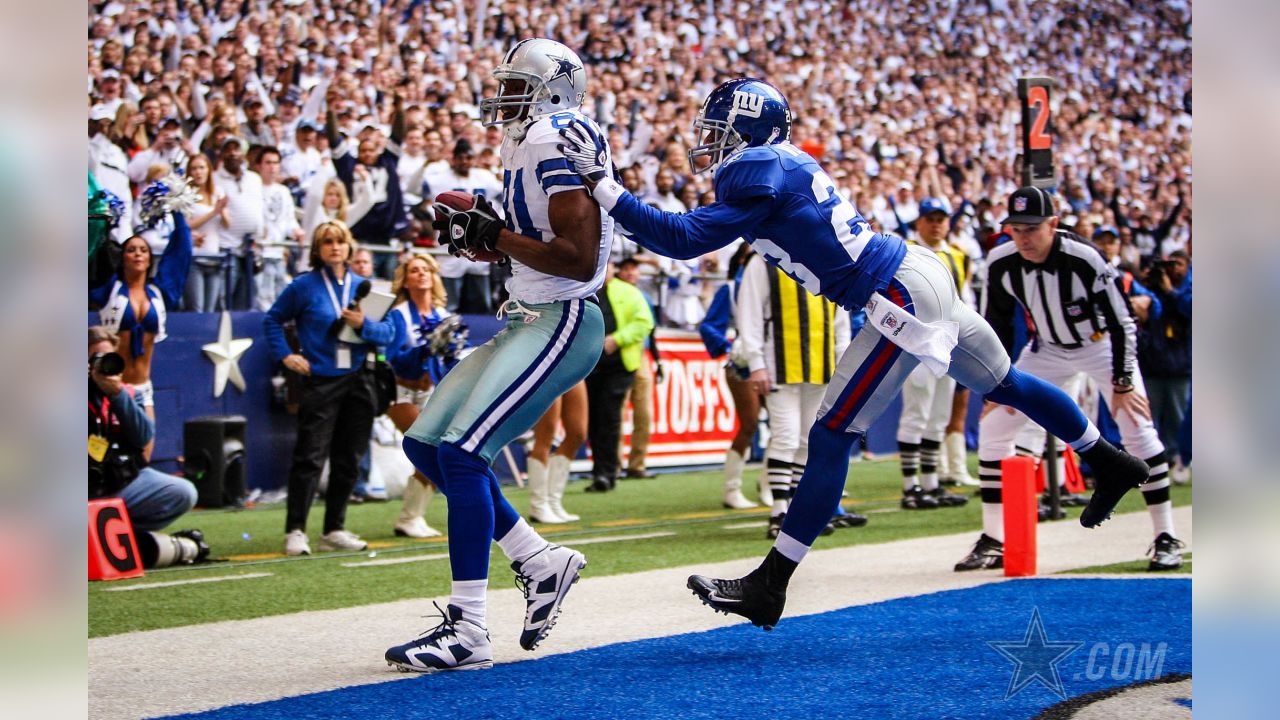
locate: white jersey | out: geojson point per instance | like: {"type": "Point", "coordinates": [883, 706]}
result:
{"type": "Point", "coordinates": [535, 169]}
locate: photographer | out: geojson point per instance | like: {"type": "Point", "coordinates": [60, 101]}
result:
{"type": "Point", "coordinates": [118, 430]}
{"type": "Point", "coordinates": [1164, 348]}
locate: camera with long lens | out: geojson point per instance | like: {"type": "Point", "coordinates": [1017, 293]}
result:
{"type": "Point", "coordinates": [108, 363]}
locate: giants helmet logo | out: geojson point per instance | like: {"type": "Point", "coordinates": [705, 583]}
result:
{"type": "Point", "coordinates": [748, 104]}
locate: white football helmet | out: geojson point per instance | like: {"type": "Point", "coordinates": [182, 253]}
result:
{"type": "Point", "coordinates": [537, 77]}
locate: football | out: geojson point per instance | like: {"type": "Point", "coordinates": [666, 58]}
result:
{"type": "Point", "coordinates": [459, 200]}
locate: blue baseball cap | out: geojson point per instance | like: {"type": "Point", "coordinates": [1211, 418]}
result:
{"type": "Point", "coordinates": [933, 205]}
{"type": "Point", "coordinates": [1106, 230]}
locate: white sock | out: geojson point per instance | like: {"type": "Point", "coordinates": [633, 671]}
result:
{"type": "Point", "coordinates": [1162, 517]}
{"type": "Point", "coordinates": [779, 507]}
{"type": "Point", "coordinates": [1086, 441]}
{"type": "Point", "coordinates": [469, 596]}
{"type": "Point", "coordinates": [790, 548]}
{"type": "Point", "coordinates": [993, 520]}
{"type": "Point", "coordinates": [733, 462]}
{"type": "Point", "coordinates": [521, 542]}
{"type": "Point", "coordinates": [929, 481]}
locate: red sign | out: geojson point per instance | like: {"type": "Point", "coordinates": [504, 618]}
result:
{"type": "Point", "coordinates": [693, 416]}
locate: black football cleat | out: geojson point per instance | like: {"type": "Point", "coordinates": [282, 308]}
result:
{"type": "Point", "coordinates": [987, 554]}
{"type": "Point", "coordinates": [747, 596]}
{"type": "Point", "coordinates": [1116, 472]}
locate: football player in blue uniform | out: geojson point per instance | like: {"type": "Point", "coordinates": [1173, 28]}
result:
{"type": "Point", "coordinates": [558, 240]}
{"type": "Point", "coordinates": [780, 200]}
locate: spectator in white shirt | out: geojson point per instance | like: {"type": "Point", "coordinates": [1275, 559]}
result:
{"type": "Point", "coordinates": [280, 228]}
{"type": "Point", "coordinates": [243, 189]}
{"type": "Point", "coordinates": [466, 282]}
{"type": "Point", "coordinates": [166, 150]}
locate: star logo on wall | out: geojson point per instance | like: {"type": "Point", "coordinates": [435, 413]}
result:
{"type": "Point", "coordinates": [564, 68]}
{"type": "Point", "coordinates": [1035, 658]}
{"type": "Point", "coordinates": [225, 355]}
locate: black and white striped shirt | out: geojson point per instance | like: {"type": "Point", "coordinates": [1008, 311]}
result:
{"type": "Point", "coordinates": [1073, 297]}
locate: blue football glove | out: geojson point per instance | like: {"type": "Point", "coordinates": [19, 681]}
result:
{"type": "Point", "coordinates": [468, 232]}
{"type": "Point", "coordinates": [586, 151]}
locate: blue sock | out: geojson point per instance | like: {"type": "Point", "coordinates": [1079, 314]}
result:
{"type": "Point", "coordinates": [818, 494]}
{"type": "Point", "coordinates": [471, 514]}
{"type": "Point", "coordinates": [426, 458]}
{"type": "Point", "coordinates": [1046, 405]}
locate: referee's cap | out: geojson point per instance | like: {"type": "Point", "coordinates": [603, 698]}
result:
{"type": "Point", "coordinates": [1029, 206]}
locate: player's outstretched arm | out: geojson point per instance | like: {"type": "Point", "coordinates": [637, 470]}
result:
{"type": "Point", "coordinates": [574, 251]}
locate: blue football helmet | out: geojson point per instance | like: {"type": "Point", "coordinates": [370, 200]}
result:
{"type": "Point", "coordinates": [741, 113]}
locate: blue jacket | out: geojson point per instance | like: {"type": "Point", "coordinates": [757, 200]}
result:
{"type": "Point", "coordinates": [307, 303]}
{"type": "Point", "coordinates": [1164, 345]}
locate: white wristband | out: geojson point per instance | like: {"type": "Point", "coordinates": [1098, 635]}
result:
{"type": "Point", "coordinates": [607, 193]}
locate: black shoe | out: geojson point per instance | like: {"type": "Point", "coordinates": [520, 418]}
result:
{"type": "Point", "coordinates": [987, 554]}
{"type": "Point", "coordinates": [639, 475]}
{"type": "Point", "coordinates": [202, 548]}
{"type": "Point", "coordinates": [1045, 512]}
{"type": "Point", "coordinates": [1166, 553]}
{"type": "Point", "coordinates": [1117, 472]}
{"type": "Point", "coordinates": [775, 526]}
{"type": "Point", "coordinates": [918, 499]}
{"type": "Point", "coordinates": [848, 520]}
{"type": "Point", "coordinates": [755, 597]}
{"type": "Point", "coordinates": [946, 499]}
{"type": "Point", "coordinates": [600, 484]}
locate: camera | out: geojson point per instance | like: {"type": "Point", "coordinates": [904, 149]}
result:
{"type": "Point", "coordinates": [108, 363]}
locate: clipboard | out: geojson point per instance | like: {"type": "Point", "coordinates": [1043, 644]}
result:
{"type": "Point", "coordinates": [375, 306]}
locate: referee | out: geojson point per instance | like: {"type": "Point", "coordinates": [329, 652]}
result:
{"type": "Point", "coordinates": [1079, 323]}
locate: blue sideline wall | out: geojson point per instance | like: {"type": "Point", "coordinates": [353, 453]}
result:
{"type": "Point", "coordinates": [183, 379]}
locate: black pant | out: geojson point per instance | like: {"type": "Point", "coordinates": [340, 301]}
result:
{"type": "Point", "coordinates": [607, 386]}
{"type": "Point", "coordinates": [335, 417]}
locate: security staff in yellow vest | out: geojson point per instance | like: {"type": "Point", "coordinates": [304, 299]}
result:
{"type": "Point", "coordinates": [790, 340]}
{"type": "Point", "coordinates": [927, 400]}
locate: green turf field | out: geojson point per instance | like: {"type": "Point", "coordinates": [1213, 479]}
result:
{"type": "Point", "coordinates": [1135, 566]}
{"type": "Point", "coordinates": [685, 505]}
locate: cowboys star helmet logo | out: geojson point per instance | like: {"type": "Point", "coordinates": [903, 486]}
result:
{"type": "Point", "coordinates": [564, 68]}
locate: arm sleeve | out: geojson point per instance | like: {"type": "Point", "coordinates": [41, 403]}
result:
{"type": "Point", "coordinates": [1120, 324]}
{"type": "Point", "coordinates": [175, 263]}
{"type": "Point", "coordinates": [99, 296]}
{"type": "Point", "coordinates": [1162, 231]}
{"type": "Point", "coordinates": [315, 101]}
{"type": "Point", "coordinates": [998, 306]}
{"type": "Point", "coordinates": [753, 297]}
{"type": "Point", "coordinates": [714, 327]}
{"type": "Point", "coordinates": [137, 427]}
{"type": "Point", "coordinates": [378, 332]}
{"type": "Point", "coordinates": [406, 360]}
{"type": "Point", "coordinates": [1157, 308]}
{"type": "Point", "coordinates": [1182, 298]}
{"type": "Point", "coordinates": [688, 235]}
{"type": "Point", "coordinates": [638, 320]}
{"type": "Point", "coordinates": [286, 307]}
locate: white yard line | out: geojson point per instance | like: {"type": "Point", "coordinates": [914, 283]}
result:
{"type": "Point", "coordinates": [171, 583]}
{"type": "Point", "coordinates": [245, 661]}
{"type": "Point", "coordinates": [567, 541]}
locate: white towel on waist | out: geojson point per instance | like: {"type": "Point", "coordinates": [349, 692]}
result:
{"type": "Point", "coordinates": [931, 343]}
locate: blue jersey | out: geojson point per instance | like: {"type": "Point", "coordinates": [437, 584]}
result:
{"type": "Point", "coordinates": [779, 200]}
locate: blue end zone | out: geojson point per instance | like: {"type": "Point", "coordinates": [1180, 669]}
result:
{"type": "Point", "coordinates": [922, 657]}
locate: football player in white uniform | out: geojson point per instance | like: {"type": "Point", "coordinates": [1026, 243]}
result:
{"type": "Point", "coordinates": [558, 241]}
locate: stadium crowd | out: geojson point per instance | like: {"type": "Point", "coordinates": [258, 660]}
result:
{"type": "Point", "coordinates": [899, 101]}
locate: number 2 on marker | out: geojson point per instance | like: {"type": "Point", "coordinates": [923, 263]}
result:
{"type": "Point", "coordinates": [1038, 99]}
